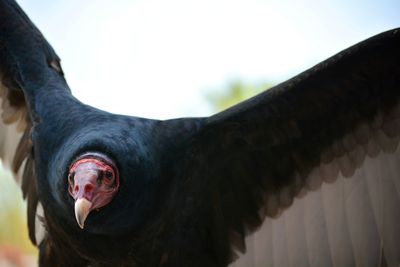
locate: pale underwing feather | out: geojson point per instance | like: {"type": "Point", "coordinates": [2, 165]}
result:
{"type": "Point", "coordinates": [13, 153]}
{"type": "Point", "coordinates": [296, 236]}
{"type": "Point", "coordinates": [352, 222]}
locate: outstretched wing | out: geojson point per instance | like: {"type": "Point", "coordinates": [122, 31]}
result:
{"type": "Point", "coordinates": [265, 157]}
{"type": "Point", "coordinates": [25, 60]}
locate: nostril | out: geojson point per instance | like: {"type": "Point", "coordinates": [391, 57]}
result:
{"type": "Point", "coordinates": [88, 188]}
{"type": "Point", "coordinates": [76, 188]}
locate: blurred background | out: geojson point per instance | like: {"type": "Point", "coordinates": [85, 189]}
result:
{"type": "Point", "coordinates": [164, 59]}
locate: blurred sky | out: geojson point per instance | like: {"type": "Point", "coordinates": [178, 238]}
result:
{"type": "Point", "coordinates": [155, 58]}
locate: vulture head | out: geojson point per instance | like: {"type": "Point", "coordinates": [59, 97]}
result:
{"type": "Point", "coordinates": [93, 181]}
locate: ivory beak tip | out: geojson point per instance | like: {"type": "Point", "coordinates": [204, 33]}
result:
{"type": "Point", "coordinates": [82, 210]}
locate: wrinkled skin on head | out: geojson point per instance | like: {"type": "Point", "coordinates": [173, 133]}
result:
{"type": "Point", "coordinates": [93, 181]}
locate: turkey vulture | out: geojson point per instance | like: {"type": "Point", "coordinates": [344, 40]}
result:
{"type": "Point", "coordinates": [267, 177]}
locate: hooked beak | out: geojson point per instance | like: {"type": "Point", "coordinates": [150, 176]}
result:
{"type": "Point", "coordinates": [82, 209]}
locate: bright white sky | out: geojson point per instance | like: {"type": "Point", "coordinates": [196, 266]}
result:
{"type": "Point", "coordinates": [158, 59]}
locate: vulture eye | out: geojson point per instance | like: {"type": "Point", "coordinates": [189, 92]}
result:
{"type": "Point", "coordinates": [71, 177]}
{"type": "Point", "coordinates": [108, 177]}
{"type": "Point", "coordinates": [71, 182]}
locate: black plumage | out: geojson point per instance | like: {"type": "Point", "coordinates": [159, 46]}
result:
{"type": "Point", "coordinates": [191, 189]}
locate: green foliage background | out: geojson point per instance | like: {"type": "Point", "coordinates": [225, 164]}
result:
{"type": "Point", "coordinates": [234, 93]}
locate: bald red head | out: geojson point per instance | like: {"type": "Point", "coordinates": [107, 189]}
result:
{"type": "Point", "coordinates": [93, 181]}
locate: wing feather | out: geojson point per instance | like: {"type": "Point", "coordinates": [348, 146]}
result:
{"type": "Point", "coordinates": [297, 239]}
{"type": "Point", "coordinates": [25, 57]}
{"type": "Point", "coordinates": [16, 150]}
{"type": "Point", "coordinates": [315, 130]}
{"type": "Point", "coordinates": [12, 125]}
{"type": "Point", "coordinates": [358, 225]}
